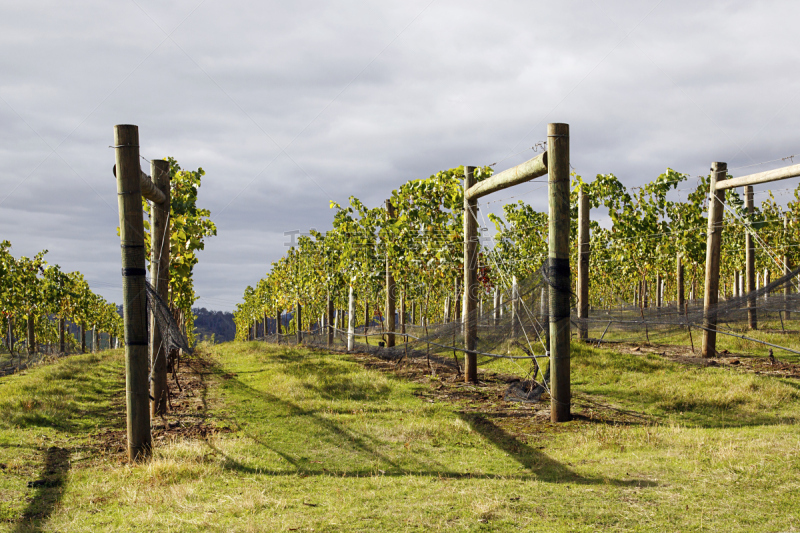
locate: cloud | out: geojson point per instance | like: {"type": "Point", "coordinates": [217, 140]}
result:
{"type": "Point", "coordinates": [289, 105]}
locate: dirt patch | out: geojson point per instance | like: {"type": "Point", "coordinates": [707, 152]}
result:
{"type": "Point", "coordinates": [487, 398]}
{"type": "Point", "coordinates": [770, 366]}
{"type": "Point", "coordinates": [189, 415]}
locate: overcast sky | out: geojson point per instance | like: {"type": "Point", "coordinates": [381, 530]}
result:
{"type": "Point", "coordinates": [288, 105]}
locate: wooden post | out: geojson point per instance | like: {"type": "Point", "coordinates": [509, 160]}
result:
{"type": "Point", "coordinates": [446, 309]}
{"type": "Point", "coordinates": [750, 261]}
{"type": "Point", "coordinates": [645, 293]}
{"type": "Point", "coordinates": [266, 326]}
{"type": "Point", "coordinates": [329, 319]}
{"type": "Point", "coordinates": [298, 322]}
{"type": "Point", "coordinates": [515, 320]}
{"type": "Point", "coordinates": [559, 270]}
{"type": "Point", "coordinates": [351, 319]}
{"type": "Point", "coordinates": [159, 276]}
{"type": "Point", "coordinates": [713, 241]}
{"type": "Point", "coordinates": [766, 282]}
{"type": "Point", "coordinates": [470, 279]}
{"type": "Point", "coordinates": [126, 142]}
{"type": "Point", "coordinates": [367, 320]}
{"type": "Point", "coordinates": [679, 285]}
{"type": "Point", "coordinates": [545, 312]}
{"type": "Point", "coordinates": [403, 312]}
{"type": "Point", "coordinates": [31, 334]}
{"type": "Point", "coordinates": [787, 269]}
{"type": "Point", "coordinates": [658, 291]}
{"type": "Point", "coordinates": [583, 265]}
{"type": "Point", "coordinates": [62, 341]}
{"type": "Point", "coordinates": [83, 337]}
{"type": "Point", "coordinates": [390, 287]}
{"type": "Point", "coordinates": [496, 306]}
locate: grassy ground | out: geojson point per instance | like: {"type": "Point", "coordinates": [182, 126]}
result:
{"type": "Point", "coordinates": [325, 442]}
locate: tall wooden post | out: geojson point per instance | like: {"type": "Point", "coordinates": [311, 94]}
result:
{"type": "Point", "coordinates": [680, 283]}
{"type": "Point", "coordinates": [470, 279]}
{"type": "Point", "coordinates": [351, 319]}
{"type": "Point", "coordinates": [390, 287]}
{"type": "Point", "coordinates": [159, 274]}
{"type": "Point", "coordinates": [713, 242]}
{"type": "Point", "coordinates": [83, 337]}
{"type": "Point", "coordinates": [298, 322]}
{"type": "Point", "coordinates": [583, 264]}
{"type": "Point", "coordinates": [787, 269]}
{"type": "Point", "coordinates": [134, 295]}
{"type": "Point", "coordinates": [62, 341]}
{"type": "Point", "coordinates": [329, 320]}
{"type": "Point", "coordinates": [750, 261]}
{"type": "Point", "coordinates": [559, 270]}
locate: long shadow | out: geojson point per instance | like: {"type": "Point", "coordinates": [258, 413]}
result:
{"type": "Point", "coordinates": [49, 490]}
{"type": "Point", "coordinates": [543, 467]}
{"type": "Point", "coordinates": [539, 464]}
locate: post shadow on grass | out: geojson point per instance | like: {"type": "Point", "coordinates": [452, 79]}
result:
{"type": "Point", "coordinates": [49, 489]}
{"type": "Point", "coordinates": [543, 467]}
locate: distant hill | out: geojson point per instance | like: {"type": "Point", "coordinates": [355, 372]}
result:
{"type": "Point", "coordinates": [218, 323]}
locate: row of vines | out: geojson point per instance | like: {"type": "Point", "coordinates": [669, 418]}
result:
{"type": "Point", "coordinates": [35, 297]}
{"type": "Point", "coordinates": [637, 235]}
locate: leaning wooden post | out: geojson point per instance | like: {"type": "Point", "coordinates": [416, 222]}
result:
{"type": "Point", "coordinates": [558, 270]}
{"type": "Point", "coordinates": [390, 287]}
{"type": "Point", "coordinates": [787, 269]}
{"type": "Point", "coordinates": [750, 260]}
{"type": "Point", "coordinates": [470, 279]}
{"type": "Point", "coordinates": [159, 276]}
{"type": "Point", "coordinates": [713, 242]}
{"type": "Point", "coordinates": [351, 319]}
{"type": "Point", "coordinates": [126, 142]}
{"type": "Point", "coordinates": [583, 264]}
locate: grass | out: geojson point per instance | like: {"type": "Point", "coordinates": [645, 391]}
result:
{"type": "Point", "coordinates": [320, 442]}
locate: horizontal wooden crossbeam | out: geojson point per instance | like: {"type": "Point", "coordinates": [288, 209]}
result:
{"type": "Point", "coordinates": [526, 171]}
{"type": "Point", "coordinates": [762, 177]}
{"type": "Point", "coordinates": [149, 189]}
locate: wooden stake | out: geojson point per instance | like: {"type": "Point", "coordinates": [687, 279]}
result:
{"type": "Point", "coordinates": [351, 319]}
{"type": "Point", "coordinates": [159, 274]}
{"type": "Point", "coordinates": [496, 306]}
{"type": "Point", "coordinates": [750, 262]}
{"type": "Point", "coordinates": [514, 307]}
{"type": "Point", "coordinates": [298, 323]}
{"type": "Point", "coordinates": [470, 279]}
{"type": "Point", "coordinates": [126, 142]}
{"type": "Point", "coordinates": [787, 269]}
{"type": "Point", "coordinates": [559, 270]}
{"type": "Point", "coordinates": [62, 344]}
{"type": "Point", "coordinates": [583, 264]}
{"type": "Point", "coordinates": [83, 337]}
{"type": "Point", "coordinates": [31, 335]}
{"type": "Point", "coordinates": [679, 284]}
{"type": "Point", "coordinates": [713, 241]}
{"type": "Point", "coordinates": [390, 287]}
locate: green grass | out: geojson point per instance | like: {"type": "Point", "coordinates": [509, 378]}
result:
{"type": "Point", "coordinates": [319, 442]}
